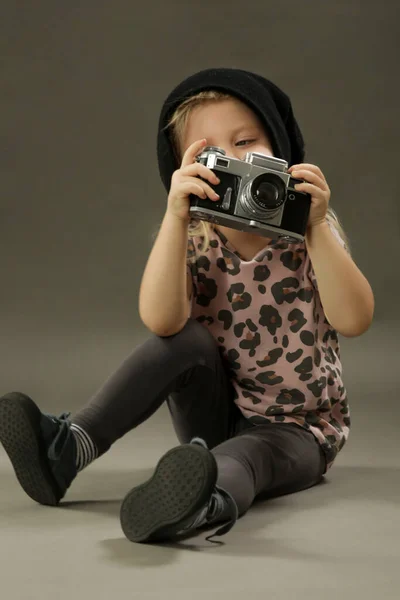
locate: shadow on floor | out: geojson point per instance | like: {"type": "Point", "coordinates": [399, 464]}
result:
{"type": "Point", "coordinates": [351, 484]}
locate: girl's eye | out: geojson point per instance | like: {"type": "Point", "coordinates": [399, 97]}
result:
{"type": "Point", "coordinates": [244, 142]}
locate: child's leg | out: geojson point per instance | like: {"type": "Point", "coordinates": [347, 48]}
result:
{"type": "Point", "coordinates": [193, 487]}
{"type": "Point", "coordinates": [272, 460]}
{"type": "Point", "coordinates": [185, 370]}
{"type": "Point", "coordinates": [47, 451]}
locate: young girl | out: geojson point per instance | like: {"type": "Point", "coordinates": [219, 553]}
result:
{"type": "Point", "coordinates": [244, 346]}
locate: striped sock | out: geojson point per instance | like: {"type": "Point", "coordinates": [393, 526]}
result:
{"type": "Point", "coordinates": [86, 450]}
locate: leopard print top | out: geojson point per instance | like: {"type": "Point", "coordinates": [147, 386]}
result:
{"type": "Point", "coordinates": [281, 353]}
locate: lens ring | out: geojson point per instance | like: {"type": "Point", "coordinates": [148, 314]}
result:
{"type": "Point", "coordinates": [254, 205]}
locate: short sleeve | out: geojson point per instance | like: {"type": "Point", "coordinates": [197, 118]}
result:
{"type": "Point", "coordinates": [311, 275]}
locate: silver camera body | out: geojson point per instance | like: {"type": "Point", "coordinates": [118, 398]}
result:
{"type": "Point", "coordinates": [257, 195]}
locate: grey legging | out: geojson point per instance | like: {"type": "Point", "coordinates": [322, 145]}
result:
{"type": "Point", "coordinates": [187, 371]}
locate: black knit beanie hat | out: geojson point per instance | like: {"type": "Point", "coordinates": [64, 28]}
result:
{"type": "Point", "coordinates": [269, 102]}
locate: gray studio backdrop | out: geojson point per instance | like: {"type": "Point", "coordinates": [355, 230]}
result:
{"type": "Point", "coordinates": [82, 85]}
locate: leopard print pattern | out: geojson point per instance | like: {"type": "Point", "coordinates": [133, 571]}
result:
{"type": "Point", "coordinates": [281, 353]}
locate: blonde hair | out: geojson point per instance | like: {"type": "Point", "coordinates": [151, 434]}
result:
{"type": "Point", "coordinates": [177, 124]}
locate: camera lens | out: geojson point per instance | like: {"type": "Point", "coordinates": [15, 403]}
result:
{"type": "Point", "coordinates": [265, 194]}
{"type": "Point", "coordinates": [268, 191]}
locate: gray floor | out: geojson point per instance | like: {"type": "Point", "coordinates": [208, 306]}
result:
{"type": "Point", "coordinates": [340, 539]}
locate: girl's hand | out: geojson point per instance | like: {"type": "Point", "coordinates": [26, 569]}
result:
{"type": "Point", "coordinates": [184, 182]}
{"type": "Point", "coordinates": [316, 185]}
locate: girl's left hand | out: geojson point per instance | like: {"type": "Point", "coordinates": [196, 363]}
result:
{"type": "Point", "coordinates": [316, 185]}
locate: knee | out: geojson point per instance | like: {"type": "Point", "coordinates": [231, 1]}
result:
{"type": "Point", "coordinates": [194, 328]}
{"type": "Point", "coordinates": [193, 338]}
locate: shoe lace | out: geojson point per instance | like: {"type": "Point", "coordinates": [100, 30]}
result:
{"type": "Point", "coordinates": [64, 424]}
{"type": "Point", "coordinates": [233, 509]}
{"type": "Point", "coordinates": [234, 515]}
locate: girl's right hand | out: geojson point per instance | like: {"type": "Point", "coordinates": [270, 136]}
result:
{"type": "Point", "coordinates": [184, 182]}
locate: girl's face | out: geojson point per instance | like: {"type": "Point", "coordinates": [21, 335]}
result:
{"type": "Point", "coordinates": [228, 124]}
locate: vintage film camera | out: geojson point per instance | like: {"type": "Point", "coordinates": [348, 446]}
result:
{"type": "Point", "coordinates": [256, 195]}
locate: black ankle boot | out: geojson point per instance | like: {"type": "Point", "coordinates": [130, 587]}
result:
{"type": "Point", "coordinates": [181, 496]}
{"type": "Point", "coordinates": [41, 448]}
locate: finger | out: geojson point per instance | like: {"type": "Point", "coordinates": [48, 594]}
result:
{"type": "Point", "coordinates": [310, 177]}
{"type": "Point", "coordinates": [192, 152]}
{"type": "Point", "coordinates": [208, 190]}
{"type": "Point", "coordinates": [308, 166]}
{"type": "Point", "coordinates": [311, 189]}
{"type": "Point", "coordinates": [192, 188]}
{"type": "Point", "coordinates": [199, 169]}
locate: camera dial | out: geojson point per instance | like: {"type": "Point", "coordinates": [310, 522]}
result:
{"type": "Point", "coordinates": [214, 149]}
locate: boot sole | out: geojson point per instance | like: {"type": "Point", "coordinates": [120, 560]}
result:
{"type": "Point", "coordinates": [182, 483]}
{"type": "Point", "coordinates": [20, 435]}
